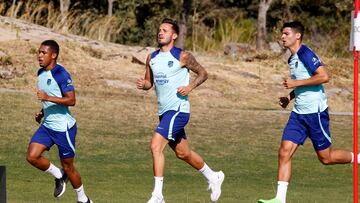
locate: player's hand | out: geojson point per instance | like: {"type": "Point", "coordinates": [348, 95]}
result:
{"type": "Point", "coordinates": [289, 83]}
{"type": "Point", "coordinates": [140, 83]}
{"type": "Point", "coordinates": [41, 95]}
{"type": "Point", "coordinates": [283, 102]}
{"type": "Point", "coordinates": [39, 116]}
{"type": "Point", "coordinates": [184, 90]}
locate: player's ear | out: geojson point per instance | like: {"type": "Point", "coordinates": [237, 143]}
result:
{"type": "Point", "coordinates": [174, 36]}
{"type": "Point", "coordinates": [54, 55]}
{"type": "Point", "coordinates": [298, 36]}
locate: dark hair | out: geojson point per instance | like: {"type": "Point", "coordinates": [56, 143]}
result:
{"type": "Point", "coordinates": [53, 45]}
{"type": "Point", "coordinates": [174, 24]}
{"type": "Point", "coordinates": [296, 26]}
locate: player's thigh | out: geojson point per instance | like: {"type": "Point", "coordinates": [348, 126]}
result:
{"type": "Point", "coordinates": [40, 141]}
{"type": "Point", "coordinates": [318, 125]}
{"type": "Point", "coordinates": [287, 149]}
{"type": "Point", "coordinates": [181, 146]}
{"type": "Point", "coordinates": [158, 142]}
{"type": "Point", "coordinates": [67, 162]}
{"type": "Point", "coordinates": [35, 150]}
{"type": "Point", "coordinates": [65, 142]}
{"type": "Point", "coordinates": [172, 124]}
{"type": "Point", "coordinates": [295, 130]}
{"type": "Point", "coordinates": [324, 154]}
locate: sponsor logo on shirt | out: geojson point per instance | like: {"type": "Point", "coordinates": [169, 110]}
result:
{"type": "Point", "coordinates": [161, 79]}
{"type": "Point", "coordinates": [69, 82]}
{"type": "Point", "coordinates": [315, 60]}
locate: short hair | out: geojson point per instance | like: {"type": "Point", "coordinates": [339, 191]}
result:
{"type": "Point", "coordinates": [296, 26]}
{"type": "Point", "coordinates": [53, 45]}
{"type": "Point", "coordinates": [174, 24]}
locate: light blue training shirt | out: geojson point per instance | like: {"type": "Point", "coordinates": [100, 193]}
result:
{"type": "Point", "coordinates": [168, 75]}
{"type": "Point", "coordinates": [308, 99]}
{"type": "Point", "coordinates": [56, 82]}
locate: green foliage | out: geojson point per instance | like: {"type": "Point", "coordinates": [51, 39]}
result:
{"type": "Point", "coordinates": [224, 31]}
{"type": "Point", "coordinates": [211, 23]}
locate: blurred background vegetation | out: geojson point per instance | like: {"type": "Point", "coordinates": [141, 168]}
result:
{"type": "Point", "coordinates": [208, 24]}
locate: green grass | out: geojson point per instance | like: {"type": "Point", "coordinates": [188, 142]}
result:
{"type": "Point", "coordinates": [115, 163]}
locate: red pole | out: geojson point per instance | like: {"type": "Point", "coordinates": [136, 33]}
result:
{"type": "Point", "coordinates": [355, 124]}
{"type": "Point", "coordinates": [355, 119]}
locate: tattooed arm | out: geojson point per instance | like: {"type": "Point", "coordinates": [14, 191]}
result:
{"type": "Point", "coordinates": [188, 61]}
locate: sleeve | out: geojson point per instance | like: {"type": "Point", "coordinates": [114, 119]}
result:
{"type": "Point", "coordinates": [309, 59]}
{"type": "Point", "coordinates": [64, 81]}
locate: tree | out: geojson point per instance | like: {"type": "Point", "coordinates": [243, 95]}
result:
{"type": "Point", "coordinates": [13, 8]}
{"type": "Point", "coordinates": [261, 24]}
{"type": "Point", "coordinates": [64, 9]}
{"type": "Point", "coordinates": [110, 7]}
{"type": "Point", "coordinates": [186, 7]}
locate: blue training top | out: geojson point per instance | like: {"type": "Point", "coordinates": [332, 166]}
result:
{"type": "Point", "coordinates": [56, 82]}
{"type": "Point", "coordinates": [168, 76]}
{"type": "Point", "coordinates": [308, 99]}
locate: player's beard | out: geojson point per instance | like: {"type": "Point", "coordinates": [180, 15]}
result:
{"type": "Point", "coordinates": [164, 43]}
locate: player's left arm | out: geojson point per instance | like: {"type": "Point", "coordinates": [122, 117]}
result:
{"type": "Point", "coordinates": [188, 61]}
{"type": "Point", "coordinates": [320, 76]}
{"type": "Point", "coordinates": [68, 98]}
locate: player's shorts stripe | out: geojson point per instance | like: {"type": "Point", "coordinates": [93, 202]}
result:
{"type": "Point", "coordinates": [69, 141]}
{"type": "Point", "coordinates": [171, 126]}
{"type": "Point", "coordinates": [322, 129]}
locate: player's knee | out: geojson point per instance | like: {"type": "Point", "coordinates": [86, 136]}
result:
{"type": "Point", "coordinates": [155, 148]}
{"type": "Point", "coordinates": [68, 168]}
{"type": "Point", "coordinates": [325, 160]}
{"type": "Point", "coordinates": [183, 155]}
{"type": "Point", "coordinates": [284, 153]}
{"type": "Point", "coordinates": [32, 159]}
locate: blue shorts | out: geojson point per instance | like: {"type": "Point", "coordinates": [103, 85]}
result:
{"type": "Point", "coordinates": [314, 125]}
{"type": "Point", "coordinates": [172, 124]}
{"type": "Point", "coordinates": [64, 140]}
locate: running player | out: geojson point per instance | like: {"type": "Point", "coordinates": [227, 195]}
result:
{"type": "Point", "coordinates": [309, 117]}
{"type": "Point", "coordinates": [168, 69]}
{"type": "Point", "coordinates": [56, 93]}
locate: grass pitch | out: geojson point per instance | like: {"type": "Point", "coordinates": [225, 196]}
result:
{"type": "Point", "coordinates": [114, 159]}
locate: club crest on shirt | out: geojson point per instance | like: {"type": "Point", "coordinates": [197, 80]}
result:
{"type": "Point", "coordinates": [170, 64]}
{"type": "Point", "coordinates": [48, 82]}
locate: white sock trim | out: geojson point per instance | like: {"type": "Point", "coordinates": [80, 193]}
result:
{"type": "Point", "coordinates": [352, 157]}
{"type": "Point", "coordinates": [55, 171]}
{"type": "Point", "coordinates": [158, 186]}
{"type": "Point", "coordinates": [207, 172]}
{"type": "Point", "coordinates": [80, 192]}
{"type": "Point", "coordinates": [281, 191]}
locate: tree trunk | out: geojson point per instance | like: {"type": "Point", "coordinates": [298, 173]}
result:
{"type": "Point", "coordinates": [13, 8]}
{"type": "Point", "coordinates": [261, 25]}
{"type": "Point", "coordinates": [183, 22]}
{"type": "Point", "coordinates": [110, 7]}
{"type": "Point", "coordinates": [64, 8]}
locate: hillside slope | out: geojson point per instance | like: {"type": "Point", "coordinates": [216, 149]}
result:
{"type": "Point", "coordinates": [102, 69]}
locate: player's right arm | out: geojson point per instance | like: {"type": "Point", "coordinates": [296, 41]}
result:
{"type": "Point", "coordinates": [284, 101]}
{"type": "Point", "coordinates": [147, 82]}
{"type": "Point", "coordinates": [39, 115]}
